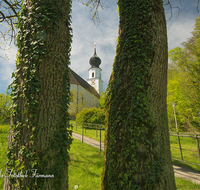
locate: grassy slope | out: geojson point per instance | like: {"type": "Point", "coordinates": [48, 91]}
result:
{"type": "Point", "coordinates": [85, 167]}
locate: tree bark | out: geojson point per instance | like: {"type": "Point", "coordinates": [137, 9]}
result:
{"type": "Point", "coordinates": [40, 121]}
{"type": "Point", "coordinates": [137, 147]}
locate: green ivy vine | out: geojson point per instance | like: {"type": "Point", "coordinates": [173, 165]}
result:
{"type": "Point", "coordinates": [34, 23]}
{"type": "Point", "coordinates": [130, 128]}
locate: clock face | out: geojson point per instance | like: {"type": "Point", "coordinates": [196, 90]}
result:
{"type": "Point", "coordinates": [93, 82]}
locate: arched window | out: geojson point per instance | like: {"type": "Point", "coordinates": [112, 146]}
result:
{"type": "Point", "coordinates": [92, 74]}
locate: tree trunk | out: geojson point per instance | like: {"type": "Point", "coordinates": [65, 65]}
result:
{"type": "Point", "coordinates": [137, 147]}
{"type": "Point", "coordinates": [39, 136]}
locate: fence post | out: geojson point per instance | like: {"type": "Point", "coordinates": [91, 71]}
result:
{"type": "Point", "coordinates": [82, 133]}
{"type": "Point", "coordinates": [96, 133]}
{"type": "Point", "coordinates": [76, 125]}
{"type": "Point", "coordinates": [174, 104]}
{"type": "Point", "coordinates": [197, 141]}
{"type": "Point", "coordinates": [180, 146]}
{"type": "Point", "coordinates": [100, 140]}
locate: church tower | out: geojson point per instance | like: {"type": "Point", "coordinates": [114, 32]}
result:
{"type": "Point", "coordinates": [95, 72]}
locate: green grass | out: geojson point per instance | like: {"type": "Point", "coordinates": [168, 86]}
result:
{"type": "Point", "coordinates": [91, 133]}
{"type": "Point", "coordinates": [190, 156]}
{"type": "Point", "coordinates": [3, 145]}
{"type": "Point", "coordinates": [85, 167]}
{"type": "Point", "coordinates": [182, 184]}
{"type": "Point", "coordinates": [186, 143]}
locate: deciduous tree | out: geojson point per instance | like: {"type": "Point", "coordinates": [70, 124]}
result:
{"type": "Point", "coordinates": [102, 100]}
{"type": "Point", "coordinates": [184, 81]}
{"type": "Point", "coordinates": [39, 138]}
{"type": "Point", "coordinates": [5, 106]}
{"type": "Point", "coordinates": [77, 101]}
{"type": "Point", "coordinates": [137, 148]}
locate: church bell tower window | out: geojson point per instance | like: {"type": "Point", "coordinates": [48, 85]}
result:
{"type": "Point", "coordinates": [92, 74]}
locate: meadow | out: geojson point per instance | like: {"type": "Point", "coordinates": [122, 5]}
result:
{"type": "Point", "coordinates": [85, 167]}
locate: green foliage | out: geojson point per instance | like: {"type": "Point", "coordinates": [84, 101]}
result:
{"type": "Point", "coordinates": [130, 126]}
{"type": "Point", "coordinates": [176, 54]}
{"type": "Point", "coordinates": [102, 100]}
{"type": "Point", "coordinates": [5, 107]}
{"type": "Point", "coordinates": [38, 20]}
{"type": "Point", "coordinates": [91, 115]}
{"type": "Point", "coordinates": [184, 83]}
{"type": "Point", "coordinates": [77, 101]}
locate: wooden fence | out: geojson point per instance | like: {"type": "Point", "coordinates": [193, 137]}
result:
{"type": "Point", "coordinates": [90, 126]}
{"type": "Point", "coordinates": [191, 135]}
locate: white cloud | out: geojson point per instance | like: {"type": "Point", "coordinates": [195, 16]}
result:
{"type": "Point", "coordinates": [7, 66]}
{"type": "Point", "coordinates": [179, 31]}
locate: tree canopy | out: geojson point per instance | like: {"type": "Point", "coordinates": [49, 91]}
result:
{"type": "Point", "coordinates": [184, 81]}
{"type": "Point", "coordinates": [5, 107]}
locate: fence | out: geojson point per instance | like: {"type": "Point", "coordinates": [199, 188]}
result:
{"type": "Point", "coordinates": [90, 126]}
{"type": "Point", "coordinates": [195, 136]}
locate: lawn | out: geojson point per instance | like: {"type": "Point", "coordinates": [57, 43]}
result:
{"type": "Point", "coordinates": [3, 145]}
{"type": "Point", "coordinates": [186, 143]}
{"type": "Point", "coordinates": [92, 133]}
{"type": "Point", "coordinates": [85, 167]}
{"type": "Point", "coordinates": [190, 156]}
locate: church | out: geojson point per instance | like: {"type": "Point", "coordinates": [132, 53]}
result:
{"type": "Point", "coordinates": [86, 94]}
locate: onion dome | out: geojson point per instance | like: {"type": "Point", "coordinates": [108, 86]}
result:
{"type": "Point", "coordinates": [95, 61]}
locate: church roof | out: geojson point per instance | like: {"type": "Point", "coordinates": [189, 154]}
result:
{"type": "Point", "coordinates": [76, 79]}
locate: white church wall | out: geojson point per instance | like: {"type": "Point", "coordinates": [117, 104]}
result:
{"type": "Point", "coordinates": [89, 99]}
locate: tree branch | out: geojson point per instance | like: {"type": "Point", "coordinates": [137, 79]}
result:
{"type": "Point", "coordinates": [11, 6]}
{"type": "Point", "coordinates": [93, 5]}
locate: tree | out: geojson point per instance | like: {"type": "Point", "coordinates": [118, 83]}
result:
{"type": "Point", "coordinates": [5, 103]}
{"type": "Point", "coordinates": [180, 90]}
{"type": "Point", "coordinates": [91, 115]}
{"type": "Point", "coordinates": [102, 100]}
{"type": "Point", "coordinates": [77, 101]}
{"type": "Point", "coordinates": [186, 68]}
{"type": "Point", "coordinates": [39, 138]}
{"type": "Point", "coordinates": [137, 148]}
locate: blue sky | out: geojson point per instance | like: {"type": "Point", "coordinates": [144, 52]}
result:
{"type": "Point", "coordinates": [85, 33]}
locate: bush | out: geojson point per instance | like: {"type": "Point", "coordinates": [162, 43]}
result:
{"type": "Point", "coordinates": [91, 115]}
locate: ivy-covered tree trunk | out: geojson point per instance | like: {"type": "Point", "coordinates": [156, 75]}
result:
{"type": "Point", "coordinates": [137, 148]}
{"type": "Point", "coordinates": [39, 136]}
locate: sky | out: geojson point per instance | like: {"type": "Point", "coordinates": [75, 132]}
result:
{"type": "Point", "coordinates": [105, 34]}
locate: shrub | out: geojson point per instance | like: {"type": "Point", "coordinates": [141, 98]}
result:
{"type": "Point", "coordinates": [91, 115]}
